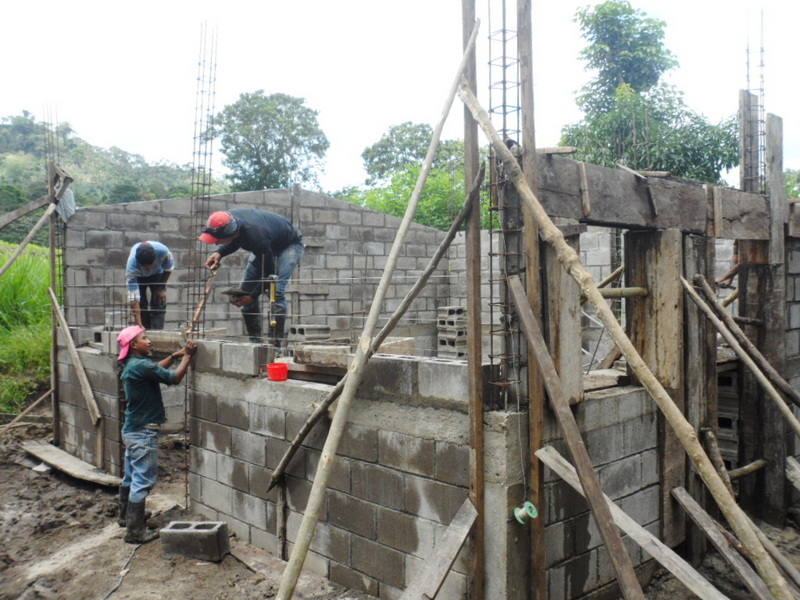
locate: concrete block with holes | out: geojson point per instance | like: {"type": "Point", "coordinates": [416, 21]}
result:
{"type": "Point", "coordinates": [203, 540]}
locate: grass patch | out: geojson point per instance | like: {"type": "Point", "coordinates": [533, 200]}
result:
{"type": "Point", "coordinates": [24, 326]}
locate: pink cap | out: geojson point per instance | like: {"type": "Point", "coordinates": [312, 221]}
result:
{"type": "Point", "coordinates": [124, 339]}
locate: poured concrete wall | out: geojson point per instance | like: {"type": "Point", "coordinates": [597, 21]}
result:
{"type": "Point", "coordinates": [346, 249]}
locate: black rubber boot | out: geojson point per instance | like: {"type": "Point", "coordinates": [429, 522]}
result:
{"type": "Point", "coordinates": [138, 533]}
{"type": "Point", "coordinates": [123, 504]}
{"type": "Point", "coordinates": [252, 322]}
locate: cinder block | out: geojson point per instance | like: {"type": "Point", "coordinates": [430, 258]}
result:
{"type": "Point", "coordinates": [232, 472]}
{"type": "Point", "coordinates": [248, 446]}
{"type": "Point", "coordinates": [452, 463]}
{"type": "Point", "coordinates": [233, 411]}
{"type": "Point", "coordinates": [209, 355]}
{"type": "Point", "coordinates": [351, 514]}
{"type": "Point", "coordinates": [406, 533]}
{"type": "Point", "coordinates": [406, 452]}
{"type": "Point", "coordinates": [203, 540]}
{"type": "Point", "coordinates": [431, 499]}
{"type": "Point", "coordinates": [377, 484]}
{"type": "Point", "coordinates": [328, 541]}
{"type": "Point", "coordinates": [382, 563]}
{"type": "Point", "coordinates": [443, 378]}
{"type": "Point", "coordinates": [353, 580]}
{"type": "Point", "coordinates": [241, 358]}
{"type": "Point", "coordinates": [389, 376]}
{"type": "Point", "coordinates": [308, 332]}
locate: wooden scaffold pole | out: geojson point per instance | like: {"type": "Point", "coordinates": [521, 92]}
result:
{"type": "Point", "coordinates": [683, 429]}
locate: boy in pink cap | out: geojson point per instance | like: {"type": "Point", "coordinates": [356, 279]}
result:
{"type": "Point", "coordinates": [142, 378]}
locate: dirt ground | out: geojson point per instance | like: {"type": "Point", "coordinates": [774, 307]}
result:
{"type": "Point", "coordinates": [60, 540]}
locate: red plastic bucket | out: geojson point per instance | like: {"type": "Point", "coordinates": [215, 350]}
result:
{"type": "Point", "coordinates": [278, 371]}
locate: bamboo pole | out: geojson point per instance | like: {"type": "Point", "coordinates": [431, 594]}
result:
{"type": "Point", "coordinates": [34, 230]}
{"type": "Point", "coordinates": [401, 309]}
{"type": "Point", "coordinates": [27, 411]}
{"type": "Point", "coordinates": [729, 300]}
{"type": "Point", "coordinates": [683, 429]}
{"type": "Point", "coordinates": [559, 402]}
{"type": "Point", "coordinates": [716, 457]}
{"type": "Point", "coordinates": [623, 292]}
{"type": "Point", "coordinates": [745, 342]}
{"type": "Point", "coordinates": [316, 497]}
{"type": "Point", "coordinates": [745, 358]}
{"type": "Point", "coordinates": [752, 467]}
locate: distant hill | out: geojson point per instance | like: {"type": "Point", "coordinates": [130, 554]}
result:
{"type": "Point", "coordinates": [102, 176]}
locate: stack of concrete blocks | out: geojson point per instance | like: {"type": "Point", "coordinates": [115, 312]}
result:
{"type": "Point", "coordinates": [619, 427]}
{"type": "Point", "coordinates": [346, 250]}
{"type": "Point", "coordinates": [728, 395]}
{"type": "Point", "coordinates": [452, 332]}
{"type": "Point", "coordinates": [78, 435]}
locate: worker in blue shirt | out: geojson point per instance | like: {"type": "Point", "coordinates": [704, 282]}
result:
{"type": "Point", "coordinates": [144, 413]}
{"type": "Point", "coordinates": [149, 266]}
{"type": "Point", "coordinates": [276, 248]}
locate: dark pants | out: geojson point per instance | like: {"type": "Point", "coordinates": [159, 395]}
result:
{"type": "Point", "coordinates": [154, 309]}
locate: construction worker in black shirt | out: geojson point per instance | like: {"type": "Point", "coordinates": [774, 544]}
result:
{"type": "Point", "coordinates": [276, 248]}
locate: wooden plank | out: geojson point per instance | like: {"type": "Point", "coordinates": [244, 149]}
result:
{"type": "Point", "coordinates": [744, 216]}
{"type": "Point", "coordinates": [72, 466]}
{"type": "Point", "coordinates": [600, 379]}
{"type": "Point", "coordinates": [654, 260]}
{"type": "Point", "coordinates": [668, 558]}
{"type": "Point", "coordinates": [609, 359]}
{"type": "Point", "coordinates": [778, 207]}
{"type": "Point", "coordinates": [629, 584]}
{"type": "Point", "coordinates": [716, 202]}
{"type": "Point", "coordinates": [18, 213]}
{"type": "Point", "coordinates": [557, 150]}
{"type": "Point", "coordinates": [530, 236]}
{"type": "Point", "coordinates": [746, 573]}
{"type": "Point", "coordinates": [86, 388]}
{"type": "Point", "coordinates": [564, 323]}
{"type": "Point", "coordinates": [427, 583]}
{"type": "Point", "coordinates": [700, 376]}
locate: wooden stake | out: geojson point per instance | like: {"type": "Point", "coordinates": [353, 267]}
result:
{"type": "Point", "coordinates": [316, 498]}
{"type": "Point", "coordinates": [27, 411]}
{"type": "Point", "coordinates": [623, 292]}
{"type": "Point", "coordinates": [86, 387]}
{"type": "Point", "coordinates": [586, 202]}
{"type": "Point", "coordinates": [623, 566]}
{"type": "Point", "coordinates": [752, 467]}
{"type": "Point", "coordinates": [684, 431]}
{"type": "Point", "coordinates": [749, 347]}
{"type": "Point", "coordinates": [707, 524]}
{"type": "Point", "coordinates": [730, 299]}
{"type": "Point", "coordinates": [716, 457]}
{"type": "Point", "coordinates": [322, 407]}
{"type": "Point", "coordinates": [672, 562]}
{"type": "Point", "coordinates": [745, 358]}
{"type": "Point", "coordinates": [23, 210]}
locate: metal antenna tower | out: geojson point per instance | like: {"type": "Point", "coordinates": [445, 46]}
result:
{"type": "Point", "coordinates": [202, 154]}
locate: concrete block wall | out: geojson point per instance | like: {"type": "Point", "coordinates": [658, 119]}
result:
{"type": "Point", "coordinates": [620, 432]}
{"type": "Point", "coordinates": [346, 249]}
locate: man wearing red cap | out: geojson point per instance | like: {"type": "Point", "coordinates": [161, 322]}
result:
{"type": "Point", "coordinates": [276, 248]}
{"type": "Point", "coordinates": [142, 378]}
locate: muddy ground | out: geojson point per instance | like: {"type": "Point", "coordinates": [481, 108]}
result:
{"type": "Point", "coordinates": [59, 539]}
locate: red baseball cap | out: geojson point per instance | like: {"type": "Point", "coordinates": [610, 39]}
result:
{"type": "Point", "coordinates": [220, 225]}
{"type": "Point", "coordinates": [124, 339]}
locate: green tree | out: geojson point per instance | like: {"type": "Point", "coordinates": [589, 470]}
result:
{"type": "Point", "coordinates": [407, 144]}
{"type": "Point", "coordinates": [270, 141]}
{"type": "Point", "coordinates": [629, 116]}
{"type": "Point", "coordinates": [791, 178]}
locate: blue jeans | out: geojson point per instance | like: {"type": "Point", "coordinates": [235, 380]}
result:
{"type": "Point", "coordinates": [254, 280]}
{"type": "Point", "coordinates": [141, 463]}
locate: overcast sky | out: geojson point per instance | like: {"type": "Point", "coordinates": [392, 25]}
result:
{"type": "Point", "coordinates": [123, 74]}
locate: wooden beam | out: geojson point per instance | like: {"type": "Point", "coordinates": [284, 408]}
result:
{"type": "Point", "coordinates": [654, 261]}
{"type": "Point", "coordinates": [746, 573]}
{"type": "Point", "coordinates": [536, 397]}
{"type": "Point", "coordinates": [700, 375]}
{"type": "Point", "coordinates": [557, 150]}
{"type": "Point", "coordinates": [667, 557]}
{"type": "Point", "coordinates": [477, 580]}
{"type": "Point", "coordinates": [686, 434]}
{"type": "Point", "coordinates": [34, 230]}
{"type": "Point", "coordinates": [83, 380]}
{"type": "Point", "coordinates": [23, 210]}
{"type": "Point", "coordinates": [793, 471]}
{"type": "Point", "coordinates": [71, 465]}
{"type": "Point", "coordinates": [427, 584]}
{"type": "Point", "coordinates": [559, 402]}
{"type": "Point", "coordinates": [747, 469]}
{"type": "Point", "coordinates": [624, 292]}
